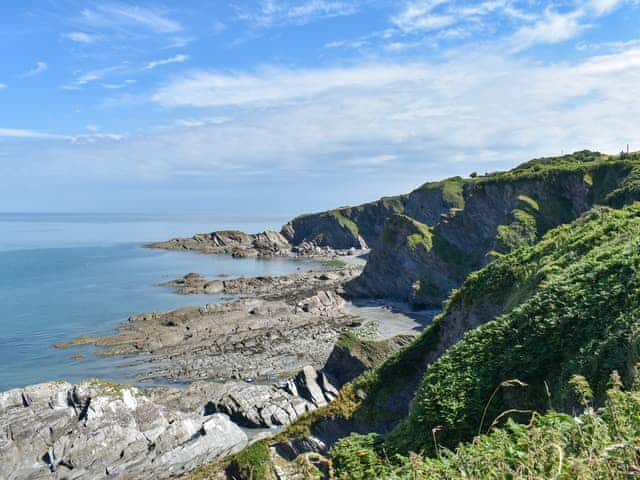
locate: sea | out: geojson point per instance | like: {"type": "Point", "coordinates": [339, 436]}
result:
{"type": "Point", "coordinates": [67, 275]}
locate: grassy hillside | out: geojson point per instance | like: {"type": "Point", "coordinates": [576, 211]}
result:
{"type": "Point", "coordinates": [599, 444]}
{"type": "Point", "coordinates": [570, 306]}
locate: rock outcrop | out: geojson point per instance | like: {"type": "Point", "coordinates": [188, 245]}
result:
{"type": "Point", "coordinates": [236, 243]}
{"type": "Point", "coordinates": [97, 430]}
{"type": "Point", "coordinates": [260, 406]}
{"type": "Point", "coordinates": [246, 338]}
{"type": "Point", "coordinates": [266, 287]}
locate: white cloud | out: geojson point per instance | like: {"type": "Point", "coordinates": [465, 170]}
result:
{"type": "Point", "coordinates": [2, 86]}
{"type": "Point", "coordinates": [419, 15]}
{"type": "Point", "coordinates": [371, 161]}
{"type": "Point", "coordinates": [118, 86]}
{"type": "Point", "coordinates": [218, 27]}
{"type": "Point", "coordinates": [119, 15]}
{"type": "Point", "coordinates": [552, 28]}
{"type": "Point", "coordinates": [203, 89]}
{"type": "Point", "coordinates": [84, 78]}
{"type": "Point", "coordinates": [180, 58]}
{"type": "Point", "coordinates": [179, 42]}
{"type": "Point", "coordinates": [601, 7]}
{"type": "Point", "coordinates": [28, 134]}
{"type": "Point", "coordinates": [471, 112]}
{"type": "Point", "coordinates": [37, 70]}
{"type": "Point", "coordinates": [81, 37]}
{"type": "Point", "coordinates": [280, 12]}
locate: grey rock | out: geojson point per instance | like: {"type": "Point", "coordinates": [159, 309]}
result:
{"type": "Point", "coordinates": [94, 430]}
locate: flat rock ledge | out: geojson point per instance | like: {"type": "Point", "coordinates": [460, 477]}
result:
{"type": "Point", "coordinates": [277, 287]}
{"type": "Point", "coordinates": [257, 338]}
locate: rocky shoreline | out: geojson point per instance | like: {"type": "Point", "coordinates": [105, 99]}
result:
{"type": "Point", "coordinates": [256, 362]}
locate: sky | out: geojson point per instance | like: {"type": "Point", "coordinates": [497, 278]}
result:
{"type": "Point", "coordinates": [291, 106]}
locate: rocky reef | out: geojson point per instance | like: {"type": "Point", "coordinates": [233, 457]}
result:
{"type": "Point", "coordinates": [231, 242]}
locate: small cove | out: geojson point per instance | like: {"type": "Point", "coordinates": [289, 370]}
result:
{"type": "Point", "coordinates": [69, 284]}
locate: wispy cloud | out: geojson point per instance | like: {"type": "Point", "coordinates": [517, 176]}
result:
{"type": "Point", "coordinates": [30, 134]}
{"type": "Point", "coordinates": [118, 86]}
{"type": "Point", "coordinates": [120, 15]}
{"type": "Point", "coordinates": [84, 78]}
{"type": "Point", "coordinates": [280, 12]}
{"type": "Point", "coordinates": [179, 42]}
{"type": "Point", "coordinates": [420, 15]}
{"type": "Point", "coordinates": [218, 27]}
{"type": "Point", "coordinates": [203, 89]}
{"type": "Point", "coordinates": [551, 28]}
{"type": "Point", "coordinates": [37, 70]}
{"type": "Point", "coordinates": [180, 58]}
{"type": "Point", "coordinates": [2, 86]}
{"type": "Point", "coordinates": [372, 161]}
{"type": "Point", "coordinates": [81, 37]}
{"type": "Point", "coordinates": [84, 138]}
{"type": "Point", "coordinates": [554, 27]}
{"type": "Point", "coordinates": [374, 116]}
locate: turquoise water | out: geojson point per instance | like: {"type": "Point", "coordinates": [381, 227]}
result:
{"type": "Point", "coordinates": [62, 276]}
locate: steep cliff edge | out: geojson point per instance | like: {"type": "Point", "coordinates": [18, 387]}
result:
{"type": "Point", "coordinates": [496, 213]}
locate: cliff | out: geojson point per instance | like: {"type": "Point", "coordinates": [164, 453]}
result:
{"type": "Point", "coordinates": [515, 338]}
{"type": "Point", "coordinates": [469, 221]}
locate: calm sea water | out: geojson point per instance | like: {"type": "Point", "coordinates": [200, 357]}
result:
{"type": "Point", "coordinates": [62, 276]}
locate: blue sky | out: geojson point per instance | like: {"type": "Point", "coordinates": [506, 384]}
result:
{"type": "Point", "coordinates": [283, 106]}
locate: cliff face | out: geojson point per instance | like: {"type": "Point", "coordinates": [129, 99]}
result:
{"type": "Point", "coordinates": [469, 221]}
{"type": "Point", "coordinates": [345, 227]}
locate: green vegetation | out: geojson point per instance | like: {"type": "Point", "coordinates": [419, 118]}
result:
{"type": "Point", "coordinates": [522, 230]}
{"type": "Point", "coordinates": [571, 306]}
{"type": "Point", "coordinates": [253, 462]}
{"type": "Point", "coordinates": [400, 229]}
{"type": "Point", "coordinates": [452, 254]}
{"type": "Point", "coordinates": [333, 263]}
{"type": "Point", "coordinates": [452, 191]}
{"type": "Point", "coordinates": [596, 445]}
{"type": "Point", "coordinates": [542, 167]}
{"type": "Point", "coordinates": [361, 345]}
{"type": "Point", "coordinates": [421, 238]}
{"type": "Point", "coordinates": [345, 222]}
{"type": "Point", "coordinates": [110, 388]}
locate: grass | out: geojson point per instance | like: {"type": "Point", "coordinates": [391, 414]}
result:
{"type": "Point", "coordinates": [571, 306]}
{"type": "Point", "coordinates": [452, 191]}
{"type": "Point", "coordinates": [333, 263]}
{"type": "Point", "coordinates": [598, 444]}
{"type": "Point", "coordinates": [401, 230]}
{"type": "Point", "coordinates": [345, 222]}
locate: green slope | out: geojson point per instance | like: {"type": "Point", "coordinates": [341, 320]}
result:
{"type": "Point", "coordinates": [570, 305]}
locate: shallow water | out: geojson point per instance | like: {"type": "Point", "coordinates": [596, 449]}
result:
{"type": "Point", "coordinates": [62, 277]}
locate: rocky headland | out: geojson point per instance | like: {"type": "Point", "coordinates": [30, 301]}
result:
{"type": "Point", "coordinates": [284, 347]}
